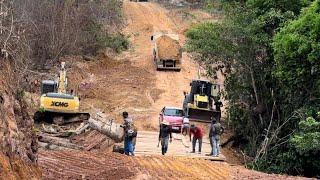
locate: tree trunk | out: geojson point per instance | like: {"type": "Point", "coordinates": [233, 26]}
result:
{"type": "Point", "coordinates": [107, 127]}
{"type": "Point", "coordinates": [253, 81]}
{"type": "Point", "coordinates": [59, 142]}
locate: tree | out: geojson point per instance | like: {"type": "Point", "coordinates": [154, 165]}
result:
{"type": "Point", "coordinates": [296, 49]}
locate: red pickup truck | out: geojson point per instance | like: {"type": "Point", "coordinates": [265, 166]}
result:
{"type": "Point", "coordinates": [174, 116]}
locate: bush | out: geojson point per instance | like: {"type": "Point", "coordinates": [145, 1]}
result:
{"type": "Point", "coordinates": [117, 42]}
{"type": "Point", "coordinates": [57, 28]}
{"type": "Point", "coordinates": [300, 155]}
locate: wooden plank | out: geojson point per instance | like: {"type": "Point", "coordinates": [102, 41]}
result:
{"type": "Point", "coordinates": [181, 146]}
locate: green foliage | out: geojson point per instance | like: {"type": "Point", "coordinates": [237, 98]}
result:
{"type": "Point", "coordinates": [308, 137]}
{"type": "Point", "coordinates": [296, 49]}
{"type": "Point", "coordinates": [263, 6]}
{"type": "Point", "coordinates": [117, 42]}
{"type": "Point", "coordinates": [41, 110]}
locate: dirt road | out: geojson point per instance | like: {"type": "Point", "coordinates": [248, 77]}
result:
{"type": "Point", "coordinates": [143, 20]}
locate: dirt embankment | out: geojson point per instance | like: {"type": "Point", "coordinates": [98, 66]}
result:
{"type": "Point", "coordinates": [17, 146]}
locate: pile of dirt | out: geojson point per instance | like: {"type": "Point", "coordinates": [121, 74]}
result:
{"type": "Point", "coordinates": [168, 48]}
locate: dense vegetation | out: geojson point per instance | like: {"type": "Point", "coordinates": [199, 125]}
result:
{"type": "Point", "coordinates": [38, 32]}
{"type": "Point", "coordinates": [269, 53]}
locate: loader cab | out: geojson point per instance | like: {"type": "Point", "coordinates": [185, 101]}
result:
{"type": "Point", "coordinates": [201, 87]}
{"type": "Point", "coordinates": [205, 88]}
{"type": "Point", "coordinates": [48, 86]}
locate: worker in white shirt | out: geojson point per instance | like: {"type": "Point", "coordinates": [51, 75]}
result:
{"type": "Point", "coordinates": [185, 125]}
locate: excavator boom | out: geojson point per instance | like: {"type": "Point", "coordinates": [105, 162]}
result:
{"type": "Point", "coordinates": [62, 84]}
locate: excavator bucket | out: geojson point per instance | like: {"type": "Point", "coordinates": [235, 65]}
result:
{"type": "Point", "coordinates": [201, 115]}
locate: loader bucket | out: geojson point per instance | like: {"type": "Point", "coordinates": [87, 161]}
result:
{"type": "Point", "coordinates": [201, 115]}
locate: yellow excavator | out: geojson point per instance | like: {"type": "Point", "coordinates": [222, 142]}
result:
{"type": "Point", "coordinates": [56, 105]}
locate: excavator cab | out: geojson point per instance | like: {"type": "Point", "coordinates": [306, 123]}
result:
{"type": "Point", "coordinates": [48, 86]}
{"type": "Point", "coordinates": [199, 107]}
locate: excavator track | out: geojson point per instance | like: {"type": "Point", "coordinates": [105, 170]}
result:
{"type": "Point", "coordinates": [60, 118]}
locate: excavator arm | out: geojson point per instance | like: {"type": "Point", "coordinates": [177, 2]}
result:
{"type": "Point", "coordinates": [62, 83]}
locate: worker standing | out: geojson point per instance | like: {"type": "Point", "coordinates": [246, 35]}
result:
{"type": "Point", "coordinates": [185, 125]}
{"type": "Point", "coordinates": [187, 99]}
{"type": "Point", "coordinates": [129, 134]}
{"type": "Point", "coordinates": [164, 134]}
{"type": "Point", "coordinates": [218, 105]}
{"type": "Point", "coordinates": [216, 130]}
{"type": "Point", "coordinates": [197, 133]}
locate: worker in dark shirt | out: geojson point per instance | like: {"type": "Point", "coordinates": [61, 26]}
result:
{"type": "Point", "coordinates": [218, 105]}
{"type": "Point", "coordinates": [164, 135]}
{"type": "Point", "coordinates": [197, 133]}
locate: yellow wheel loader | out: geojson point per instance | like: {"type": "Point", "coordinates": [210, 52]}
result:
{"type": "Point", "coordinates": [56, 105]}
{"type": "Point", "coordinates": [198, 103]}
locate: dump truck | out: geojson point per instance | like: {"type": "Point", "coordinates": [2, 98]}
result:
{"type": "Point", "coordinates": [56, 104]}
{"type": "Point", "coordinates": [167, 52]}
{"type": "Point", "coordinates": [198, 104]}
